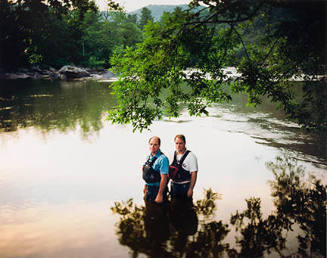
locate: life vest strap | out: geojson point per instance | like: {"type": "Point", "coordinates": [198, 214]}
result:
{"type": "Point", "coordinates": [149, 174]}
{"type": "Point", "coordinates": [182, 158]}
{"type": "Point", "coordinates": [150, 164]}
{"type": "Point", "coordinates": [176, 171]}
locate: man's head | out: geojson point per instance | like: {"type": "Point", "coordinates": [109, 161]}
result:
{"type": "Point", "coordinates": [154, 144]}
{"type": "Point", "coordinates": [180, 143]}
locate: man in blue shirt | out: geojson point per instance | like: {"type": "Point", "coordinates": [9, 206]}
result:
{"type": "Point", "coordinates": [155, 173]}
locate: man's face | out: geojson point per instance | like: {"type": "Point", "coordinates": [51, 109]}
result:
{"type": "Point", "coordinates": [180, 145]}
{"type": "Point", "coordinates": [154, 146]}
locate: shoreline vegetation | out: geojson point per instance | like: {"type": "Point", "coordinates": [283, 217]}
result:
{"type": "Point", "coordinates": [70, 72]}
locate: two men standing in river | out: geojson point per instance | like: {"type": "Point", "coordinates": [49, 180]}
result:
{"type": "Point", "coordinates": [182, 172]}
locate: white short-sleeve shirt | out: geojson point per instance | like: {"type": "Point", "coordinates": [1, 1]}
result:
{"type": "Point", "coordinates": [190, 163]}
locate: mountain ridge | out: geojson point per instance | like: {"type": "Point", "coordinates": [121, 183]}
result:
{"type": "Point", "coordinates": [158, 10]}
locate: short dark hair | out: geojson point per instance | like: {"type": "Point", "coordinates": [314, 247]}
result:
{"type": "Point", "coordinates": [159, 141]}
{"type": "Point", "coordinates": [180, 136]}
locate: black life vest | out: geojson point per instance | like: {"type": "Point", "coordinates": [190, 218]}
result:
{"type": "Point", "coordinates": [149, 174]}
{"type": "Point", "coordinates": [176, 171]}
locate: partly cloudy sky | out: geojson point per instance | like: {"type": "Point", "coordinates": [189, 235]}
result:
{"type": "Point", "coordinates": [131, 5]}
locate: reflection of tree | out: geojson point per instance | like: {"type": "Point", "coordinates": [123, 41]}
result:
{"type": "Point", "coordinates": [300, 202]}
{"type": "Point", "coordinates": [208, 241]}
{"type": "Point", "coordinates": [184, 237]}
{"type": "Point", "coordinates": [258, 235]}
{"type": "Point", "coordinates": [131, 230]}
{"type": "Point", "coordinates": [143, 229]}
{"type": "Point", "coordinates": [297, 202]}
{"type": "Point", "coordinates": [54, 105]}
{"type": "Point", "coordinates": [181, 234]}
{"type": "Point", "coordinates": [207, 238]}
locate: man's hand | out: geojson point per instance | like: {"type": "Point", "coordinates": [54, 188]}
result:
{"type": "Point", "coordinates": [159, 198]}
{"type": "Point", "coordinates": [190, 193]}
{"type": "Point", "coordinates": [163, 184]}
{"type": "Point", "coordinates": [192, 184]}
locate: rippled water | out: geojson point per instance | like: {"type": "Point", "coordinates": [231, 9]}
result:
{"type": "Point", "coordinates": [63, 166]}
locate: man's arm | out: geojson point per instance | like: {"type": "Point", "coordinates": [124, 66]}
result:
{"type": "Point", "coordinates": [144, 189]}
{"type": "Point", "coordinates": [162, 187]}
{"type": "Point", "coordinates": [192, 184]}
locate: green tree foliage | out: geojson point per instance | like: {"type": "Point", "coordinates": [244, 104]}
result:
{"type": "Point", "coordinates": [38, 32]}
{"type": "Point", "coordinates": [11, 36]}
{"type": "Point", "coordinates": [102, 36]}
{"type": "Point", "coordinates": [127, 28]}
{"type": "Point", "coordinates": [145, 18]}
{"type": "Point", "coordinates": [132, 18]}
{"type": "Point", "coordinates": [182, 59]}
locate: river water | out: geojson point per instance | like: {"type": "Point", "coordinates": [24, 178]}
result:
{"type": "Point", "coordinates": [63, 167]}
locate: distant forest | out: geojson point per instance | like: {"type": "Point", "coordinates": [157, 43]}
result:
{"type": "Point", "coordinates": [56, 33]}
{"type": "Point", "coordinates": [33, 33]}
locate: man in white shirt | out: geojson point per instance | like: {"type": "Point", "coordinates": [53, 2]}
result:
{"type": "Point", "coordinates": [185, 161]}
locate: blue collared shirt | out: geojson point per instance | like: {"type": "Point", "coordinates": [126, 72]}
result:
{"type": "Point", "coordinates": [161, 164]}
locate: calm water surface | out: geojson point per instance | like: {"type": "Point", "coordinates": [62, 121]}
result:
{"type": "Point", "coordinates": [63, 167]}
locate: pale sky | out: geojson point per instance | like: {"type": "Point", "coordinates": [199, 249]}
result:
{"type": "Point", "coordinates": [132, 5]}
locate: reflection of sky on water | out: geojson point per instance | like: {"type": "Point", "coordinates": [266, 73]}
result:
{"type": "Point", "coordinates": [56, 187]}
{"type": "Point", "coordinates": [62, 230]}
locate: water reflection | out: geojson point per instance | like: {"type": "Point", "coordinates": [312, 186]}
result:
{"type": "Point", "coordinates": [183, 216]}
{"type": "Point", "coordinates": [300, 201]}
{"type": "Point", "coordinates": [81, 105]}
{"type": "Point", "coordinates": [181, 229]}
{"type": "Point", "coordinates": [156, 225]}
{"type": "Point", "coordinates": [269, 127]}
{"type": "Point", "coordinates": [55, 191]}
{"type": "Point", "coordinates": [309, 146]}
{"type": "Point", "coordinates": [49, 105]}
{"type": "Point", "coordinates": [171, 230]}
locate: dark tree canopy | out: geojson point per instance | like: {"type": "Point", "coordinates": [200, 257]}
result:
{"type": "Point", "coordinates": [182, 61]}
{"type": "Point", "coordinates": [56, 33]}
{"type": "Point", "coordinates": [34, 31]}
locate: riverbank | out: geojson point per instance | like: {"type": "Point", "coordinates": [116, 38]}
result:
{"type": "Point", "coordinates": [67, 72]}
